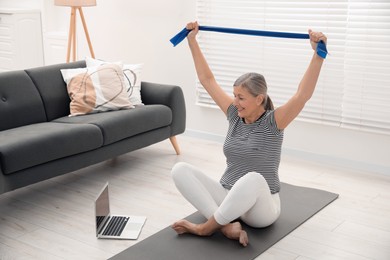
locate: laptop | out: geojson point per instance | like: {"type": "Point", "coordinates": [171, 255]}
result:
{"type": "Point", "coordinates": [115, 226]}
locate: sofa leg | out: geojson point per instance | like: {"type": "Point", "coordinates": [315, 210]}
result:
{"type": "Point", "coordinates": [175, 144]}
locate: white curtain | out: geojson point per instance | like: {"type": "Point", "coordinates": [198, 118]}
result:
{"type": "Point", "coordinates": [354, 86]}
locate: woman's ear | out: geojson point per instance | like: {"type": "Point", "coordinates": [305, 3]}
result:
{"type": "Point", "coordinates": [260, 99]}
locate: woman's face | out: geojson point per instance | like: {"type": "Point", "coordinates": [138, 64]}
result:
{"type": "Point", "coordinates": [248, 106]}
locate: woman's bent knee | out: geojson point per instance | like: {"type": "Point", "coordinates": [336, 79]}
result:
{"type": "Point", "coordinates": [255, 177]}
{"type": "Point", "coordinates": [252, 183]}
{"type": "Point", "coordinates": [181, 170]}
{"type": "Point", "coordinates": [179, 167]}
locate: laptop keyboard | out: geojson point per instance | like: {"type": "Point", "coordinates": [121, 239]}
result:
{"type": "Point", "coordinates": [115, 226]}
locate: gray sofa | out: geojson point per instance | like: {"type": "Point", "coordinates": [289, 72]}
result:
{"type": "Point", "coordinates": [38, 140]}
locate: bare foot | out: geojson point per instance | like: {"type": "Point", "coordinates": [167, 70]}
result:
{"type": "Point", "coordinates": [184, 226]}
{"type": "Point", "coordinates": [235, 231]}
{"type": "Point", "coordinates": [205, 229]}
{"type": "Point", "coordinates": [232, 230]}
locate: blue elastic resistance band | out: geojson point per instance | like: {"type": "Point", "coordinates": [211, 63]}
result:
{"type": "Point", "coordinates": [321, 47]}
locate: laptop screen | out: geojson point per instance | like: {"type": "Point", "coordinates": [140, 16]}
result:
{"type": "Point", "coordinates": [102, 209]}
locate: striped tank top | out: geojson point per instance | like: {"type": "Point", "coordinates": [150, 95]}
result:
{"type": "Point", "coordinates": [252, 147]}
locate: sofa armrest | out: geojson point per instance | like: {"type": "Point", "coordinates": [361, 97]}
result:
{"type": "Point", "coordinates": [169, 95]}
{"type": "Point", "coordinates": [2, 181]}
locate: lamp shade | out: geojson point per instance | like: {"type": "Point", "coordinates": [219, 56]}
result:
{"type": "Point", "coordinates": [75, 2]}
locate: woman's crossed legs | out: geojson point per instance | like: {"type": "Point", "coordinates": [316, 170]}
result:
{"type": "Point", "coordinates": [249, 199]}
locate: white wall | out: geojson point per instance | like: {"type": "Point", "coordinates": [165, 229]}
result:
{"type": "Point", "coordinates": [32, 4]}
{"type": "Point", "coordinates": [342, 147]}
{"type": "Point", "coordinates": [139, 32]}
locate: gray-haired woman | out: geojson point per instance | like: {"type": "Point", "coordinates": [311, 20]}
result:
{"type": "Point", "coordinates": [249, 188]}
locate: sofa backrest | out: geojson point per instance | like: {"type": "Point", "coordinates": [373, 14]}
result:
{"type": "Point", "coordinates": [20, 101]}
{"type": "Point", "coordinates": [52, 88]}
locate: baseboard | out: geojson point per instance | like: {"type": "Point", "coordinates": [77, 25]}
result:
{"type": "Point", "coordinates": [303, 155]}
{"type": "Point", "coordinates": [205, 136]}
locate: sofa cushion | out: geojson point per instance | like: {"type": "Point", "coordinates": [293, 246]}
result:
{"type": "Point", "coordinates": [31, 145]}
{"type": "Point", "coordinates": [119, 125]}
{"type": "Point", "coordinates": [96, 89]}
{"type": "Point", "coordinates": [52, 88]}
{"type": "Point", "coordinates": [133, 78]}
{"type": "Point", "coordinates": [20, 102]}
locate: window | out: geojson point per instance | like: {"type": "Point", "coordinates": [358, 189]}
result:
{"type": "Point", "coordinates": [354, 86]}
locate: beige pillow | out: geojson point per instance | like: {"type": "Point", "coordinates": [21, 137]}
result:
{"type": "Point", "coordinates": [132, 74]}
{"type": "Point", "coordinates": [96, 89]}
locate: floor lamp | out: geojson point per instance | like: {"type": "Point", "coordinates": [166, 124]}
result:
{"type": "Point", "coordinates": [76, 5]}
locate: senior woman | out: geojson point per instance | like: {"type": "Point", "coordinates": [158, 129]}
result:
{"type": "Point", "coordinates": [249, 188]}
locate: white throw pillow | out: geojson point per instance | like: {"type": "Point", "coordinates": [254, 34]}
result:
{"type": "Point", "coordinates": [96, 89]}
{"type": "Point", "coordinates": [132, 74]}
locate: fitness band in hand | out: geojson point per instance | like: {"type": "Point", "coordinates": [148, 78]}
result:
{"type": "Point", "coordinates": [321, 46]}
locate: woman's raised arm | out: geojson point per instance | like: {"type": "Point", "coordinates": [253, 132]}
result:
{"type": "Point", "coordinates": [205, 75]}
{"type": "Point", "coordinates": [286, 113]}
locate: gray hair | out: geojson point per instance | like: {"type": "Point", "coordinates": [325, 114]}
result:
{"type": "Point", "coordinates": [255, 84]}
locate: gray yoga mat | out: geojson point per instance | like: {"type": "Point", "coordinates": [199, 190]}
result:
{"type": "Point", "coordinates": [298, 205]}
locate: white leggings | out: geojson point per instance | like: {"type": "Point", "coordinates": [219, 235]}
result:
{"type": "Point", "coordinates": [249, 199]}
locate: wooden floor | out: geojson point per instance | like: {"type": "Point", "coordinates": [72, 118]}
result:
{"type": "Point", "coordinates": [54, 219]}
